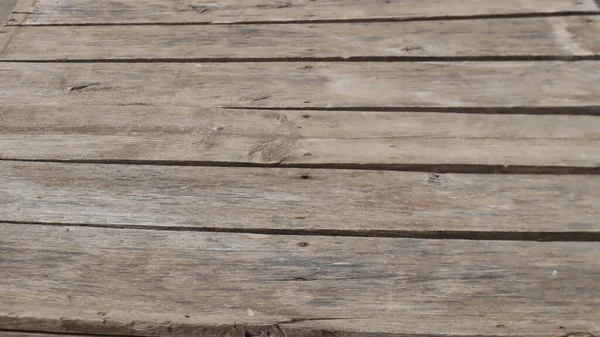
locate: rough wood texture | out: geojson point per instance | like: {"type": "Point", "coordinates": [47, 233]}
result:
{"type": "Point", "coordinates": [321, 138]}
{"type": "Point", "coordinates": [35, 334]}
{"type": "Point", "coordinates": [177, 11]}
{"type": "Point", "coordinates": [6, 7]}
{"type": "Point", "coordinates": [432, 84]}
{"type": "Point", "coordinates": [524, 37]}
{"type": "Point", "coordinates": [297, 199]}
{"type": "Point", "coordinates": [148, 283]}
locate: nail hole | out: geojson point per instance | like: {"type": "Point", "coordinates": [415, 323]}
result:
{"type": "Point", "coordinates": [302, 244]}
{"type": "Point", "coordinates": [500, 326]}
{"type": "Point", "coordinates": [187, 316]}
{"type": "Point", "coordinates": [305, 176]}
{"type": "Point", "coordinates": [306, 116]}
{"type": "Point", "coordinates": [308, 154]}
{"type": "Point", "coordinates": [300, 279]}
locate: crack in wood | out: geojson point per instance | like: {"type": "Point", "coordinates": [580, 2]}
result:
{"type": "Point", "coordinates": [329, 21]}
{"type": "Point", "coordinates": [580, 236]}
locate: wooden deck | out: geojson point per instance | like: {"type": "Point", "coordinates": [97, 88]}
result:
{"type": "Point", "coordinates": [300, 168]}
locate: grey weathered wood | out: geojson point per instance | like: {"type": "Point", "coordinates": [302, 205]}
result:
{"type": "Point", "coordinates": [299, 84]}
{"type": "Point", "coordinates": [297, 199]}
{"type": "Point", "coordinates": [6, 7]}
{"type": "Point", "coordinates": [577, 35]}
{"type": "Point", "coordinates": [324, 138]}
{"type": "Point", "coordinates": [150, 283]}
{"type": "Point", "coordinates": [128, 11]}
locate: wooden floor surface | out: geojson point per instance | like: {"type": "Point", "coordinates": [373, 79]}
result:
{"type": "Point", "coordinates": [300, 168]}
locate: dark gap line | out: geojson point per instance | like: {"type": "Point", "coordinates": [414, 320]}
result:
{"type": "Point", "coordinates": [592, 110]}
{"type": "Point", "coordinates": [331, 59]}
{"type": "Point", "coordinates": [324, 21]}
{"type": "Point", "coordinates": [570, 236]}
{"type": "Point", "coordinates": [399, 167]}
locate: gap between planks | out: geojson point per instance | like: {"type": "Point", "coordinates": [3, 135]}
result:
{"type": "Point", "coordinates": [542, 236]}
{"type": "Point", "coordinates": [395, 167]}
{"type": "Point", "coordinates": [316, 22]}
{"type": "Point", "coordinates": [352, 59]}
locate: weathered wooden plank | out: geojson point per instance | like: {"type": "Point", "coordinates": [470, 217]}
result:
{"type": "Point", "coordinates": [524, 37]}
{"type": "Point", "coordinates": [297, 199]}
{"type": "Point", "coordinates": [187, 11]}
{"type": "Point", "coordinates": [150, 283]}
{"type": "Point", "coordinates": [299, 84]}
{"type": "Point", "coordinates": [322, 138]}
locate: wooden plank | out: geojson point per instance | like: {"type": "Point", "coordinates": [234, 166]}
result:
{"type": "Point", "coordinates": [320, 138]}
{"type": "Point", "coordinates": [396, 203]}
{"type": "Point", "coordinates": [227, 11]}
{"type": "Point", "coordinates": [527, 37]}
{"type": "Point", "coordinates": [151, 283]}
{"type": "Point", "coordinates": [300, 84]}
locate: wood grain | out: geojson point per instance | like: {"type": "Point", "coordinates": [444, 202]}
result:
{"type": "Point", "coordinates": [397, 203]}
{"type": "Point", "coordinates": [300, 84]}
{"type": "Point", "coordinates": [319, 138]}
{"type": "Point", "coordinates": [231, 11]}
{"type": "Point", "coordinates": [151, 283]}
{"type": "Point", "coordinates": [524, 37]}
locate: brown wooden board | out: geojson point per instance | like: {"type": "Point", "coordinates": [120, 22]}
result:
{"type": "Point", "coordinates": [305, 84]}
{"type": "Point", "coordinates": [359, 139]}
{"type": "Point", "coordinates": [515, 37]}
{"type": "Point", "coordinates": [232, 11]}
{"type": "Point", "coordinates": [278, 200]}
{"type": "Point", "coordinates": [151, 283]}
